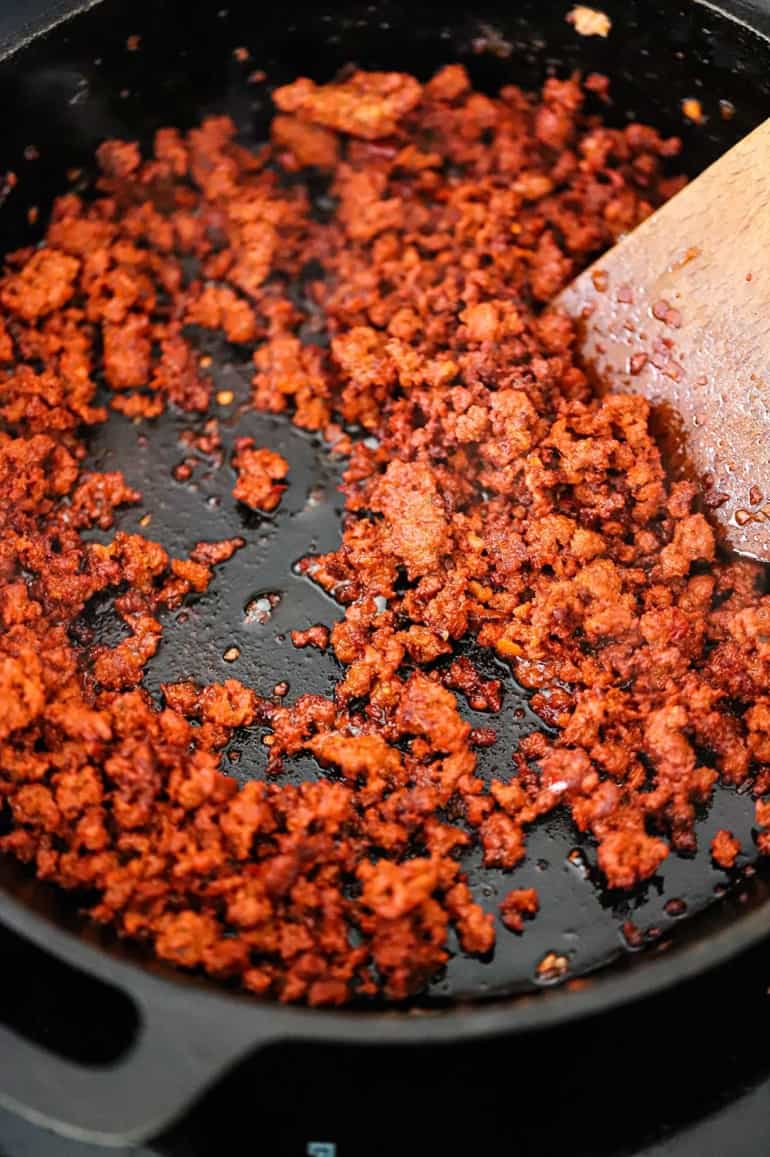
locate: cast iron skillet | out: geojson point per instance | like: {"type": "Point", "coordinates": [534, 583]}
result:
{"type": "Point", "coordinates": [63, 92]}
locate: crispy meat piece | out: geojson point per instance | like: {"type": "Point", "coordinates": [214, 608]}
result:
{"type": "Point", "coordinates": [416, 528]}
{"type": "Point", "coordinates": [220, 307]}
{"type": "Point", "coordinates": [214, 553]}
{"type": "Point", "coordinates": [725, 849]}
{"type": "Point", "coordinates": [44, 283]}
{"type": "Point", "coordinates": [306, 144]}
{"type": "Point", "coordinates": [367, 104]}
{"type": "Point", "coordinates": [317, 636]}
{"type": "Point", "coordinates": [518, 904]}
{"type": "Point", "coordinates": [127, 349]}
{"type": "Point", "coordinates": [260, 475]}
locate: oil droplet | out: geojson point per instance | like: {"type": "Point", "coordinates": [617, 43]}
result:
{"type": "Point", "coordinates": [315, 497]}
{"type": "Point", "coordinates": [260, 608]}
{"type": "Point", "coordinates": [577, 860]}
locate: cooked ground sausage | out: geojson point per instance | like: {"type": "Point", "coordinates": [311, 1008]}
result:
{"type": "Point", "coordinates": [492, 493]}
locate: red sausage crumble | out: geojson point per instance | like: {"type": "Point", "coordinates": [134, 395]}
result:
{"type": "Point", "coordinates": [492, 494]}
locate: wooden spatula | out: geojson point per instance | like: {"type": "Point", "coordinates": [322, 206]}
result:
{"type": "Point", "coordinates": [679, 311]}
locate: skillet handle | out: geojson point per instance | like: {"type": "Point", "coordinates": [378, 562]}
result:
{"type": "Point", "coordinates": [169, 1065]}
{"type": "Point", "coordinates": [187, 1038]}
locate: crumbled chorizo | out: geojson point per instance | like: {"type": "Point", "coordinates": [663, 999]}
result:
{"type": "Point", "coordinates": [307, 144]}
{"type": "Point", "coordinates": [317, 636]}
{"type": "Point", "coordinates": [43, 284]}
{"type": "Point", "coordinates": [725, 849]}
{"type": "Point", "coordinates": [260, 475]}
{"type": "Point", "coordinates": [213, 553]}
{"type": "Point", "coordinates": [367, 104]}
{"type": "Point", "coordinates": [518, 904]}
{"type": "Point", "coordinates": [495, 497]}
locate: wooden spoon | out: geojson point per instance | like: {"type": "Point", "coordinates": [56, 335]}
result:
{"type": "Point", "coordinates": [679, 311]}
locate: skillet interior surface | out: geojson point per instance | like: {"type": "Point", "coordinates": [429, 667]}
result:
{"type": "Point", "coordinates": [79, 84]}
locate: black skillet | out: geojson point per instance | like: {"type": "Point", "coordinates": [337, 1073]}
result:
{"type": "Point", "coordinates": [63, 92]}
